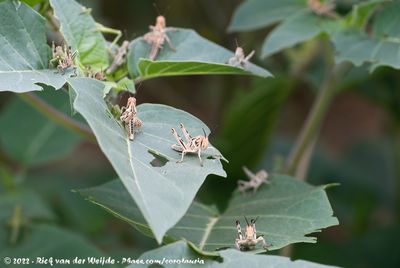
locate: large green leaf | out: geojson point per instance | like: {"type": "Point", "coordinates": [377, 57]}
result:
{"type": "Point", "coordinates": [362, 13]}
{"type": "Point", "coordinates": [180, 253]}
{"type": "Point", "coordinates": [288, 210]}
{"type": "Point", "coordinates": [194, 55]}
{"type": "Point", "coordinates": [359, 48]}
{"type": "Point", "coordinates": [387, 22]}
{"type": "Point", "coordinates": [296, 29]}
{"type": "Point", "coordinates": [45, 241]}
{"type": "Point", "coordinates": [33, 139]}
{"type": "Point", "coordinates": [24, 54]}
{"type": "Point", "coordinates": [379, 48]}
{"type": "Point", "coordinates": [81, 32]}
{"type": "Point", "coordinates": [164, 193]}
{"type": "Point", "coordinates": [254, 14]}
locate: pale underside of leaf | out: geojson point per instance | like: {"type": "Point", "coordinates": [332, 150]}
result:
{"type": "Point", "coordinates": [287, 210]}
{"type": "Point", "coordinates": [30, 80]}
{"type": "Point", "coordinates": [255, 14]}
{"type": "Point", "coordinates": [230, 258]}
{"type": "Point", "coordinates": [194, 55]}
{"type": "Point", "coordinates": [164, 193]}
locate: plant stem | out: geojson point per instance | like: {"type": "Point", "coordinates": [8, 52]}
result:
{"type": "Point", "coordinates": [315, 117]}
{"type": "Point", "coordinates": [57, 116]}
{"type": "Point", "coordinates": [397, 166]}
{"type": "Point", "coordinates": [300, 156]}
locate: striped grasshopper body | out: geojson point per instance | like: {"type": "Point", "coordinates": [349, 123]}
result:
{"type": "Point", "coordinates": [192, 144]}
{"type": "Point", "coordinates": [129, 118]}
{"type": "Point", "coordinates": [249, 240]}
{"type": "Point", "coordinates": [158, 36]}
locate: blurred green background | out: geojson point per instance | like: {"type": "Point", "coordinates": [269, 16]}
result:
{"type": "Point", "coordinates": [254, 123]}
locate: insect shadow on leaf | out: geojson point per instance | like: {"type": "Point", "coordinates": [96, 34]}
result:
{"type": "Point", "coordinates": [158, 160]}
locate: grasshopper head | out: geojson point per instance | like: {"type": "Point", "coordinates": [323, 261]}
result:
{"type": "Point", "coordinates": [160, 22]}
{"type": "Point", "coordinates": [204, 141]}
{"type": "Point", "coordinates": [239, 52]}
{"type": "Point", "coordinates": [131, 102]}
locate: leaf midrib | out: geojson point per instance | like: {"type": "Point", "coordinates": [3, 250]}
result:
{"type": "Point", "coordinates": [207, 231]}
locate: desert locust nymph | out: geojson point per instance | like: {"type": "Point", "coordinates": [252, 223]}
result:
{"type": "Point", "coordinates": [157, 37]}
{"type": "Point", "coordinates": [255, 180]}
{"type": "Point", "coordinates": [129, 117]}
{"type": "Point", "coordinates": [63, 58]}
{"type": "Point", "coordinates": [239, 59]}
{"type": "Point", "coordinates": [250, 239]}
{"type": "Point", "coordinates": [191, 145]}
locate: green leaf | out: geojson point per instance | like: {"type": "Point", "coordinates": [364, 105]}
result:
{"type": "Point", "coordinates": [81, 32]}
{"type": "Point", "coordinates": [288, 210]}
{"type": "Point", "coordinates": [361, 13]}
{"type": "Point", "coordinates": [29, 137]}
{"type": "Point", "coordinates": [387, 22]}
{"type": "Point", "coordinates": [255, 14]}
{"type": "Point", "coordinates": [24, 54]}
{"type": "Point", "coordinates": [52, 242]}
{"type": "Point", "coordinates": [163, 193]}
{"type": "Point", "coordinates": [194, 55]}
{"type": "Point", "coordinates": [296, 29]}
{"type": "Point", "coordinates": [33, 3]}
{"type": "Point", "coordinates": [381, 48]}
{"type": "Point", "coordinates": [182, 254]}
{"type": "Point", "coordinates": [125, 84]}
{"type": "Point", "coordinates": [359, 48]}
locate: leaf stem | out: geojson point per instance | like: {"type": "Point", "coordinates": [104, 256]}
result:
{"type": "Point", "coordinates": [397, 165]}
{"type": "Point", "coordinates": [314, 120]}
{"type": "Point", "coordinates": [57, 116]}
{"type": "Point", "coordinates": [104, 29]}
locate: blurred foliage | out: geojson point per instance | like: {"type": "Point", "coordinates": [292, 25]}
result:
{"type": "Point", "coordinates": [255, 124]}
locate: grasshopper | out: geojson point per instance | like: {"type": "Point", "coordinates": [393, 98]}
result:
{"type": "Point", "coordinates": [63, 58]}
{"type": "Point", "coordinates": [129, 117]}
{"type": "Point", "coordinates": [119, 57]}
{"type": "Point", "coordinates": [192, 144]}
{"type": "Point", "coordinates": [322, 7]}
{"type": "Point", "coordinates": [157, 37]}
{"type": "Point", "coordinates": [250, 239]}
{"type": "Point", "coordinates": [239, 59]}
{"type": "Point", "coordinates": [93, 74]}
{"type": "Point", "coordinates": [256, 180]}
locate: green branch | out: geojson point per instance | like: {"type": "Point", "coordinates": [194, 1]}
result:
{"type": "Point", "coordinates": [314, 120]}
{"type": "Point", "coordinates": [57, 116]}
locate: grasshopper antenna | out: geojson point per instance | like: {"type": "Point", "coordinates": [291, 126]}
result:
{"type": "Point", "coordinates": [205, 135]}
{"type": "Point", "coordinates": [246, 220]}
{"type": "Point", "coordinates": [256, 219]}
{"type": "Point", "coordinates": [156, 7]}
{"type": "Point", "coordinates": [158, 10]}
